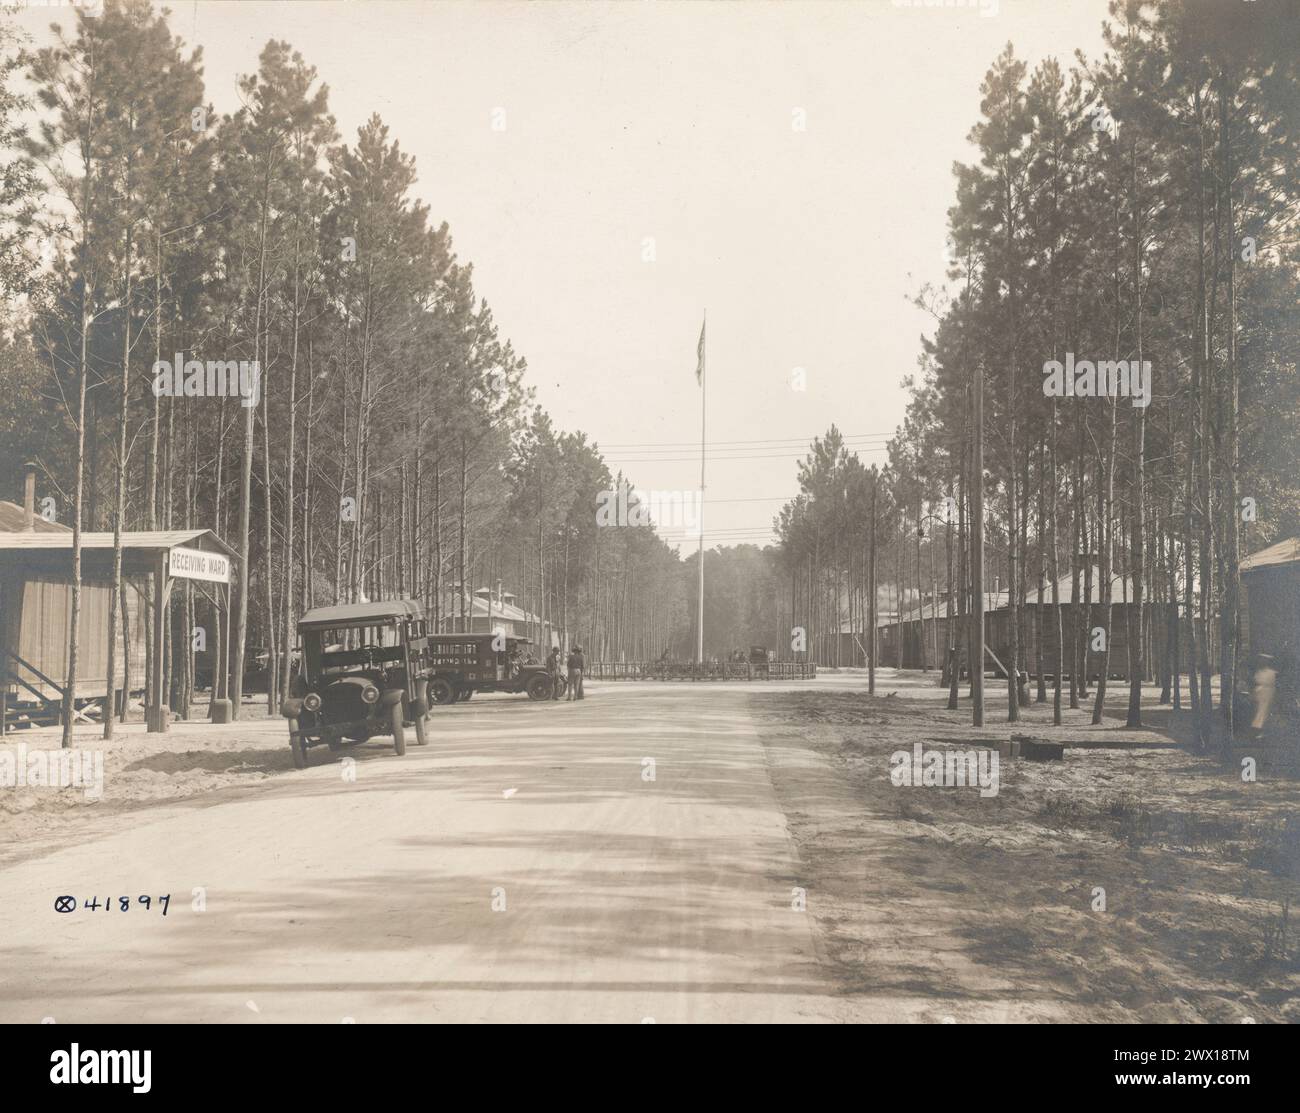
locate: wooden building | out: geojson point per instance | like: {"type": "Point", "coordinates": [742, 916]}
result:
{"type": "Point", "coordinates": [1038, 623]}
{"type": "Point", "coordinates": [924, 627]}
{"type": "Point", "coordinates": [488, 611]}
{"type": "Point", "coordinates": [1271, 599]}
{"type": "Point", "coordinates": [36, 611]}
{"type": "Point", "coordinates": [1123, 627]}
{"type": "Point", "coordinates": [35, 619]}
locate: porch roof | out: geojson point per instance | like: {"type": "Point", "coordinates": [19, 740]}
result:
{"type": "Point", "coordinates": [133, 540]}
{"type": "Point", "coordinates": [36, 555]}
{"type": "Point", "coordinates": [1283, 552]}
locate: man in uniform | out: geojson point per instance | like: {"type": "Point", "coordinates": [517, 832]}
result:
{"type": "Point", "coordinates": [553, 667]}
{"type": "Point", "coordinates": [575, 673]}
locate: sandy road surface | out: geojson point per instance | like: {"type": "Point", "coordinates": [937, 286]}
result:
{"type": "Point", "coordinates": [625, 898]}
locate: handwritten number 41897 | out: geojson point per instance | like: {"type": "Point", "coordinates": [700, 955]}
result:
{"type": "Point", "coordinates": [123, 904]}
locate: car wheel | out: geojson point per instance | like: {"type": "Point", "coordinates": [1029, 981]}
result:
{"type": "Point", "coordinates": [399, 731]}
{"type": "Point", "coordinates": [441, 690]}
{"type": "Point", "coordinates": [539, 687]}
{"type": "Point", "coordinates": [296, 746]}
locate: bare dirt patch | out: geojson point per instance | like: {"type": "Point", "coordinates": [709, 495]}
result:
{"type": "Point", "coordinates": [956, 906]}
{"type": "Point", "coordinates": [140, 771]}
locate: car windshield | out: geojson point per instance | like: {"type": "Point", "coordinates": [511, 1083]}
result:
{"type": "Point", "coordinates": [347, 648]}
{"type": "Point", "coordinates": [344, 637]}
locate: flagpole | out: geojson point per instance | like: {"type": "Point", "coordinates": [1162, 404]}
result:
{"type": "Point", "coordinates": [699, 619]}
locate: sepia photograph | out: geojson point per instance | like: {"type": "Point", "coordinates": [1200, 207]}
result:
{"type": "Point", "coordinates": [649, 512]}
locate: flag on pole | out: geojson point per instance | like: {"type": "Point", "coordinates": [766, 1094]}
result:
{"type": "Point", "coordinates": [699, 378]}
{"type": "Point", "coordinates": [699, 357]}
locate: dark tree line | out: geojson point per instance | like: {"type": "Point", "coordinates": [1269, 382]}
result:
{"type": "Point", "coordinates": [396, 448]}
{"type": "Point", "coordinates": [1137, 207]}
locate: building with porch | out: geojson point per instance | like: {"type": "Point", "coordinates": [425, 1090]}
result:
{"type": "Point", "coordinates": [487, 611]}
{"type": "Point", "coordinates": [1270, 612]}
{"type": "Point", "coordinates": [36, 589]}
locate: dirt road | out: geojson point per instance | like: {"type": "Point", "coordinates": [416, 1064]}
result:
{"type": "Point", "coordinates": [531, 863]}
{"type": "Point", "coordinates": [710, 852]}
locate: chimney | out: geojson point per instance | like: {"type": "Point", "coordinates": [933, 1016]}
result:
{"type": "Point", "coordinates": [29, 496]}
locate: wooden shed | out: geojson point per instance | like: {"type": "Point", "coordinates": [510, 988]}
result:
{"type": "Point", "coordinates": [36, 608]}
{"type": "Point", "coordinates": [1271, 599]}
{"type": "Point", "coordinates": [1037, 613]}
{"type": "Point", "coordinates": [35, 618]}
{"type": "Point", "coordinates": [1125, 624]}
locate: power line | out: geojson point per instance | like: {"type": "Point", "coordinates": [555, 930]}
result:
{"type": "Point", "coordinates": [785, 449]}
{"type": "Point", "coordinates": [694, 537]}
{"type": "Point", "coordinates": [786, 455]}
{"type": "Point", "coordinates": [758, 498]}
{"type": "Point", "coordinates": [758, 440]}
{"type": "Point", "coordinates": [769, 441]}
{"type": "Point", "coordinates": [680, 531]}
{"type": "Point", "coordinates": [669, 452]}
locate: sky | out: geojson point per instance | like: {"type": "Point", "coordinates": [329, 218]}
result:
{"type": "Point", "coordinates": [615, 171]}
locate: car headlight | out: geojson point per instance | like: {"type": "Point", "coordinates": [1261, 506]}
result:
{"type": "Point", "coordinates": [312, 702]}
{"type": "Point", "coordinates": [369, 694]}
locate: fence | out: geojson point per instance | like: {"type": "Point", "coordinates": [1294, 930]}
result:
{"type": "Point", "coordinates": [723, 670]}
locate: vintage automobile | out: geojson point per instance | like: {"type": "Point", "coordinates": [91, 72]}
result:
{"type": "Point", "coordinates": [462, 664]}
{"type": "Point", "coordinates": [363, 672]}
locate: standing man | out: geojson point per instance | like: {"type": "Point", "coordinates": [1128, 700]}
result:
{"type": "Point", "coordinates": [1274, 687]}
{"type": "Point", "coordinates": [575, 673]}
{"type": "Point", "coordinates": [553, 667]}
{"type": "Point", "coordinates": [1265, 690]}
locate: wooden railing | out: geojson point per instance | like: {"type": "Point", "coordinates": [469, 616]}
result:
{"type": "Point", "coordinates": [723, 670]}
{"type": "Point", "coordinates": [40, 708]}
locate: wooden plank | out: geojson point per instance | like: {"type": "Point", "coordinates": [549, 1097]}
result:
{"type": "Point", "coordinates": [1000, 665]}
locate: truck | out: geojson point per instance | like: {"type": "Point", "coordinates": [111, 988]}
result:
{"type": "Point", "coordinates": [461, 664]}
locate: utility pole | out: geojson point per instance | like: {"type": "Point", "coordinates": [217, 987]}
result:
{"type": "Point", "coordinates": [699, 619]}
{"type": "Point", "coordinates": [920, 588]}
{"type": "Point", "coordinates": [977, 553]}
{"type": "Point", "coordinates": [871, 588]}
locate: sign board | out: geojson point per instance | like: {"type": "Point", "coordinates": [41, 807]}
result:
{"type": "Point", "coordinates": [194, 564]}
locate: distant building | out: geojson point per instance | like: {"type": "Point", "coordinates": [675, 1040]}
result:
{"type": "Point", "coordinates": [1271, 603]}
{"type": "Point", "coordinates": [488, 611]}
{"type": "Point", "coordinates": [928, 620]}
